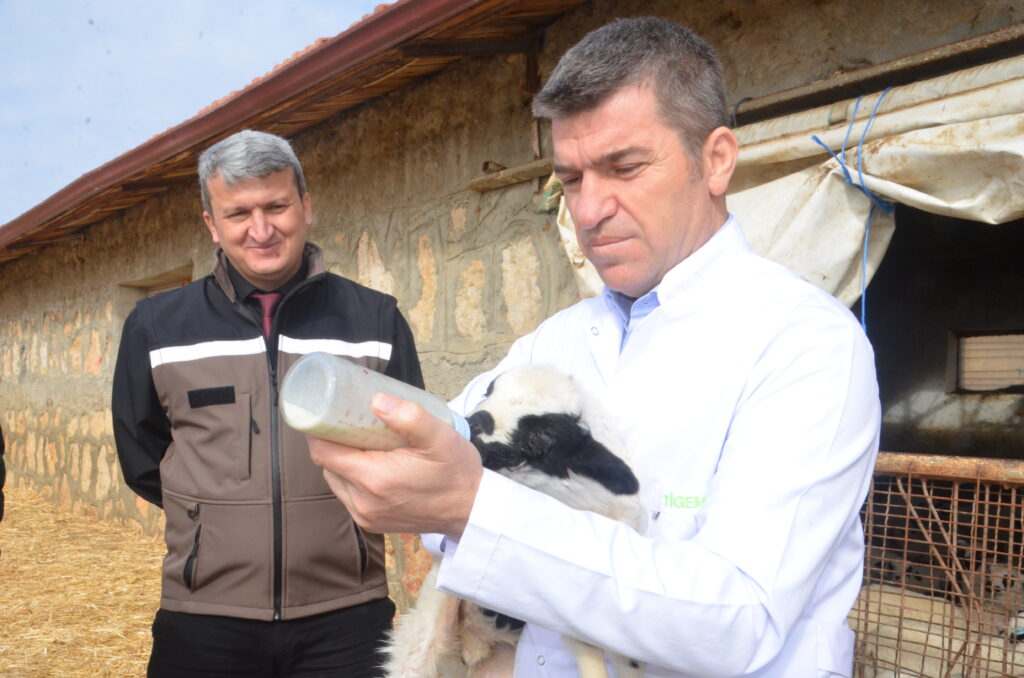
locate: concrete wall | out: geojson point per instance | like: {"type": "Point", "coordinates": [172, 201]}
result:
{"type": "Point", "coordinates": [471, 271]}
{"type": "Point", "coordinates": [943, 277]}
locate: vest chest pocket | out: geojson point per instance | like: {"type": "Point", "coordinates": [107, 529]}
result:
{"type": "Point", "coordinates": [207, 397]}
{"type": "Point", "coordinates": [213, 441]}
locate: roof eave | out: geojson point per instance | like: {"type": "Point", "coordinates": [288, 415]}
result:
{"type": "Point", "coordinates": [365, 40]}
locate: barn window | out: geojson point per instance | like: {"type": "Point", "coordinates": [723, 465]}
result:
{"type": "Point", "coordinates": [990, 362]}
{"type": "Point", "coordinates": [169, 285]}
{"type": "Point", "coordinates": [162, 282]}
{"type": "Point", "coordinates": [128, 293]}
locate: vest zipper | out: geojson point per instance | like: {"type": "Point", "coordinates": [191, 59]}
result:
{"type": "Point", "coordinates": [275, 460]}
{"type": "Point", "coordinates": [364, 555]}
{"type": "Point", "coordinates": [275, 467]}
{"type": "Point", "coordinates": [188, 575]}
{"type": "Point", "coordinates": [275, 451]}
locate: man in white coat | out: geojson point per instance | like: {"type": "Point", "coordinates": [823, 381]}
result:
{"type": "Point", "coordinates": [746, 396]}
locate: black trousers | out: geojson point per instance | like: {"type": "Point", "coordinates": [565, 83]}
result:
{"type": "Point", "coordinates": [343, 643]}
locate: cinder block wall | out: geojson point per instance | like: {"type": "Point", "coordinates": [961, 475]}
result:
{"type": "Point", "coordinates": [471, 271]}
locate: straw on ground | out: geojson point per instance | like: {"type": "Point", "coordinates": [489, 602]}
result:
{"type": "Point", "coordinates": [77, 594]}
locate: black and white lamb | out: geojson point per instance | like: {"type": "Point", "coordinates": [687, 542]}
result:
{"type": "Point", "coordinates": [537, 427]}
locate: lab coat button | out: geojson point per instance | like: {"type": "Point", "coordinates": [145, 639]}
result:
{"type": "Point", "coordinates": [540, 660]}
{"type": "Point", "coordinates": [594, 331]}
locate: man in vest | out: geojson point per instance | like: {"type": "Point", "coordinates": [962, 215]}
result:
{"type": "Point", "coordinates": [266, 574]}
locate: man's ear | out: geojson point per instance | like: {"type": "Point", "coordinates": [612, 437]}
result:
{"type": "Point", "coordinates": [307, 208]}
{"type": "Point", "coordinates": [720, 152]}
{"type": "Point", "coordinates": [213, 229]}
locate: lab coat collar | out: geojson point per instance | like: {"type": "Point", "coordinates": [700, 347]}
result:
{"type": "Point", "coordinates": [691, 271]}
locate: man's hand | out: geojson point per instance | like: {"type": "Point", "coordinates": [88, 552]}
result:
{"type": "Point", "coordinates": [427, 487]}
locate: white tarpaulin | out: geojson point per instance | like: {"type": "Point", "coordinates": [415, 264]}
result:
{"type": "Point", "coordinates": [952, 145]}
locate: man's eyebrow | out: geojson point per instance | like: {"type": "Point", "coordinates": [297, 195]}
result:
{"type": "Point", "coordinates": [609, 158]}
{"type": "Point", "coordinates": [620, 154]}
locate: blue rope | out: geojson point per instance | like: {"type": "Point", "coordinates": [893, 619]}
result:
{"type": "Point", "coordinates": [876, 202]}
{"type": "Point", "coordinates": [864, 272]}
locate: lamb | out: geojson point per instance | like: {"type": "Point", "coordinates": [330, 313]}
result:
{"type": "Point", "coordinates": [539, 428]}
{"type": "Point", "coordinates": [994, 591]}
{"type": "Point", "coordinates": [903, 633]}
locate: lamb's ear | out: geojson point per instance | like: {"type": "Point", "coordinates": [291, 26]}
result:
{"type": "Point", "coordinates": [480, 423]}
{"type": "Point", "coordinates": [595, 461]}
{"type": "Point", "coordinates": [557, 443]}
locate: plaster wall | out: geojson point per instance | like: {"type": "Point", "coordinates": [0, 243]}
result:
{"type": "Point", "coordinates": [471, 271]}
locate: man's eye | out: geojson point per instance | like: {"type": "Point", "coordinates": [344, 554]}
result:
{"type": "Point", "coordinates": [626, 170]}
{"type": "Point", "coordinates": [569, 181]}
{"type": "Point", "coordinates": [277, 208]}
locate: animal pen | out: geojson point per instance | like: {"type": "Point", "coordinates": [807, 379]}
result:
{"type": "Point", "coordinates": [943, 593]}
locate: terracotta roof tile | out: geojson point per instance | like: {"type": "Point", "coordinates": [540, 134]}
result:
{"type": "Point", "coordinates": [297, 55]}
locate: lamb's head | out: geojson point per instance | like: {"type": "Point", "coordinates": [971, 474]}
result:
{"type": "Point", "coordinates": [536, 426]}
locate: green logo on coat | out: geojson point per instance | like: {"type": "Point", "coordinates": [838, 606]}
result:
{"type": "Point", "coordinates": [681, 501]}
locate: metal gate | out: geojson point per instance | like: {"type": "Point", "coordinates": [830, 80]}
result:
{"type": "Point", "coordinates": [943, 593]}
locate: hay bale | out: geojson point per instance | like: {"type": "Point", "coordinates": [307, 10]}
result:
{"type": "Point", "coordinates": [77, 594]}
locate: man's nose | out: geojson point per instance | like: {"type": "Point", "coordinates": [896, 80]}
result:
{"type": "Point", "coordinates": [260, 227]}
{"type": "Point", "coordinates": [594, 202]}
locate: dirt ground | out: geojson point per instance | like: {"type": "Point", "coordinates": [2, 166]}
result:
{"type": "Point", "coordinates": [77, 594]}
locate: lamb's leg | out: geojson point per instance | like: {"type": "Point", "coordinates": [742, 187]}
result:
{"type": "Point", "coordinates": [424, 637]}
{"type": "Point", "coordinates": [589, 659]}
{"type": "Point", "coordinates": [500, 664]}
{"type": "Point", "coordinates": [474, 635]}
{"type": "Point", "coordinates": [480, 637]}
{"type": "Point", "coordinates": [626, 667]}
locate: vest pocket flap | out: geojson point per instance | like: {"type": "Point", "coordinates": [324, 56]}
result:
{"type": "Point", "coordinates": [211, 455]}
{"type": "Point", "coordinates": [217, 395]}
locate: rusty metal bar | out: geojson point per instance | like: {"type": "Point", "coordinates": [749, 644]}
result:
{"type": "Point", "coordinates": [1005, 471]}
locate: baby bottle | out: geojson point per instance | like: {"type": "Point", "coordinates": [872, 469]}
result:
{"type": "Point", "coordinates": [328, 397]}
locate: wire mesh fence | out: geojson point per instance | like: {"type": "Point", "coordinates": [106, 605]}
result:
{"type": "Point", "coordinates": [943, 593]}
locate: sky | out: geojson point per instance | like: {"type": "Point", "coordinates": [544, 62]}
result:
{"type": "Point", "coordinates": [83, 81]}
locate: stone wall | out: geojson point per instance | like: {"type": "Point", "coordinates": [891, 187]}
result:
{"type": "Point", "coordinates": [62, 310]}
{"type": "Point", "coordinates": [471, 271]}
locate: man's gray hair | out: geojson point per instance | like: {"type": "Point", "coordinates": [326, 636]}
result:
{"type": "Point", "coordinates": [247, 155]}
{"type": "Point", "coordinates": [676, 63]}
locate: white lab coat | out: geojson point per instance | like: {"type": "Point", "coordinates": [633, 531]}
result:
{"type": "Point", "coordinates": [749, 405]}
